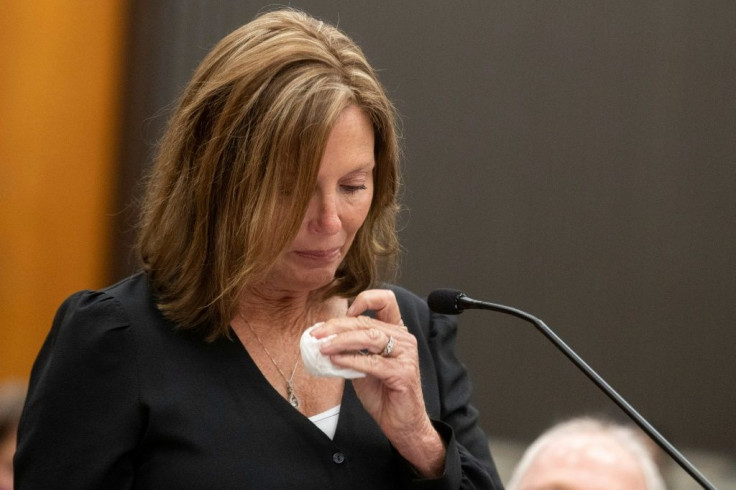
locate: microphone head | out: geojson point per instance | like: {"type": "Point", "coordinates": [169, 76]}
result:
{"type": "Point", "coordinates": [445, 301]}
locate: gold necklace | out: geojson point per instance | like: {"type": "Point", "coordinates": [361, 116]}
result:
{"type": "Point", "coordinates": [290, 392]}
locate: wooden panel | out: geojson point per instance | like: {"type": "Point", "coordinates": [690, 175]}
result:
{"type": "Point", "coordinates": [59, 91]}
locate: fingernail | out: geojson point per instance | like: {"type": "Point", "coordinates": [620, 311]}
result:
{"type": "Point", "coordinates": [316, 329]}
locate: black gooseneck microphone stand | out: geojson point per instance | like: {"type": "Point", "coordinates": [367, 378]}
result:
{"type": "Point", "coordinates": [441, 302]}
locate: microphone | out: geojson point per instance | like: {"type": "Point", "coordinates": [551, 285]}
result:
{"type": "Point", "coordinates": [453, 302]}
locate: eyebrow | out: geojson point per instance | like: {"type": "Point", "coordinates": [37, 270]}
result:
{"type": "Point", "coordinates": [366, 167]}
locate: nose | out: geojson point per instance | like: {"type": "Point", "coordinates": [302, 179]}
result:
{"type": "Point", "coordinates": [323, 213]}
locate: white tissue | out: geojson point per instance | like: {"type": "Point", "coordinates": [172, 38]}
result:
{"type": "Point", "coordinates": [318, 364]}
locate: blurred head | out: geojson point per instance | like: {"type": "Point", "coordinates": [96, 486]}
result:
{"type": "Point", "coordinates": [239, 165]}
{"type": "Point", "coordinates": [587, 454]}
{"type": "Point", "coordinates": [12, 397]}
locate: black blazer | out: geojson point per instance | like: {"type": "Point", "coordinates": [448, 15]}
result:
{"type": "Point", "coordinates": [119, 398]}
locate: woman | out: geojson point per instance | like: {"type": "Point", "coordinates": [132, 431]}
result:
{"type": "Point", "coordinates": [270, 208]}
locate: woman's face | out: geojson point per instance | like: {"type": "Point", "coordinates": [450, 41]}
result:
{"type": "Point", "coordinates": [337, 209]}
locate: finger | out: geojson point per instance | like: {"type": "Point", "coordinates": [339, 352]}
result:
{"type": "Point", "coordinates": [393, 372]}
{"type": "Point", "coordinates": [340, 325]}
{"type": "Point", "coordinates": [369, 340]}
{"type": "Point", "coordinates": [376, 366]}
{"type": "Point", "coordinates": [382, 301]}
{"type": "Point", "coordinates": [346, 324]}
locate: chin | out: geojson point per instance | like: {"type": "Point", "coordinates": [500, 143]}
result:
{"type": "Point", "coordinates": [314, 283]}
{"type": "Point", "coordinates": [305, 282]}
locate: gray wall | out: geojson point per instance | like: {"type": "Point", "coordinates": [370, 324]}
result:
{"type": "Point", "coordinates": [572, 159]}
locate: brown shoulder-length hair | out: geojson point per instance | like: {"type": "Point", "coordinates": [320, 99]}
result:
{"type": "Point", "coordinates": [239, 161]}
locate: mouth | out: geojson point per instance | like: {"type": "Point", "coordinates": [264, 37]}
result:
{"type": "Point", "coordinates": [326, 255]}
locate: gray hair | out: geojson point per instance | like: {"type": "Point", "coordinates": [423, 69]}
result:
{"type": "Point", "coordinates": [626, 436]}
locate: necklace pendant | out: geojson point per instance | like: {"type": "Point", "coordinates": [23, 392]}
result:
{"type": "Point", "coordinates": [293, 400]}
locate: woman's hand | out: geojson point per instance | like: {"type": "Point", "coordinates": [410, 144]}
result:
{"type": "Point", "coordinates": [392, 390]}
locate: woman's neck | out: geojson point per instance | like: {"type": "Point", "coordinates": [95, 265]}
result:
{"type": "Point", "coordinates": [288, 311]}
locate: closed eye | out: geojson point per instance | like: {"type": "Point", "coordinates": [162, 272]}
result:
{"type": "Point", "coordinates": [352, 189]}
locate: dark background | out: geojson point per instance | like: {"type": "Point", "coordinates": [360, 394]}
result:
{"type": "Point", "coordinates": [572, 159]}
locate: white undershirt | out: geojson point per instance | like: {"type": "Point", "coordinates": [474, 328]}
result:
{"type": "Point", "coordinates": [327, 420]}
